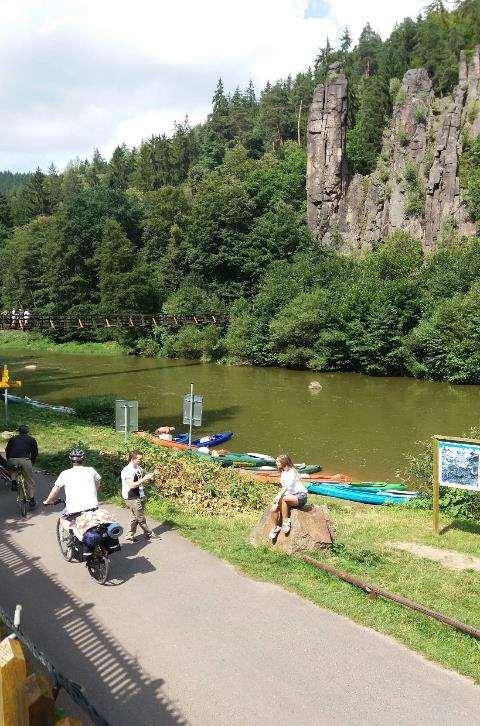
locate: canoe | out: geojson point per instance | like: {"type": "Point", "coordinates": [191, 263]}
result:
{"type": "Point", "coordinates": [301, 468]}
{"type": "Point", "coordinates": [270, 477]}
{"type": "Point", "coordinates": [39, 404]}
{"type": "Point", "coordinates": [355, 495]}
{"type": "Point", "coordinates": [373, 487]}
{"type": "Point", "coordinates": [213, 440]}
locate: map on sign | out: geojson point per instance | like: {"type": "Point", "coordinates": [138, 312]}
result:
{"type": "Point", "coordinates": [459, 465]}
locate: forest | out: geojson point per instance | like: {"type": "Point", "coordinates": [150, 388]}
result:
{"type": "Point", "coordinates": [213, 220]}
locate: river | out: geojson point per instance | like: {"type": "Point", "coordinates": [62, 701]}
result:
{"type": "Point", "coordinates": [355, 424]}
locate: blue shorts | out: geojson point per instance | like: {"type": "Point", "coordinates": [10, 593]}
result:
{"type": "Point", "coordinates": [302, 499]}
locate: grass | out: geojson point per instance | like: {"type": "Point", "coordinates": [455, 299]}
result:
{"type": "Point", "coordinates": [37, 343]}
{"type": "Point", "coordinates": [361, 547]}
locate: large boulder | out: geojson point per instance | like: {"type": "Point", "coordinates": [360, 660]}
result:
{"type": "Point", "coordinates": [312, 529]}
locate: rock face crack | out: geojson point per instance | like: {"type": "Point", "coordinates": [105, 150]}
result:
{"type": "Point", "coordinates": [415, 187]}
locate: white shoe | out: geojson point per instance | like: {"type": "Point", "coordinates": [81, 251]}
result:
{"type": "Point", "coordinates": [286, 526]}
{"type": "Point", "coordinates": [274, 532]}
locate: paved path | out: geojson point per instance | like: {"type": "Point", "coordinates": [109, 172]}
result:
{"type": "Point", "coordinates": [183, 638]}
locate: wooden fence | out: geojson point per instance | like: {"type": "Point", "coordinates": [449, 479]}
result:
{"type": "Point", "coordinates": [25, 700]}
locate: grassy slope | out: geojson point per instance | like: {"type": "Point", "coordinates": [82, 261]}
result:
{"type": "Point", "coordinates": [16, 340]}
{"type": "Point", "coordinates": [361, 549]}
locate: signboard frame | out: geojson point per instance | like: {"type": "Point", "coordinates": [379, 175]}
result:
{"type": "Point", "coordinates": [126, 416]}
{"type": "Point", "coordinates": [456, 464]}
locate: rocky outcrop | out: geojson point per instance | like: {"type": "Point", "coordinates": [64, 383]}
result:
{"type": "Point", "coordinates": [326, 160]}
{"type": "Point", "coordinates": [415, 187]}
{"type": "Point", "coordinates": [312, 528]}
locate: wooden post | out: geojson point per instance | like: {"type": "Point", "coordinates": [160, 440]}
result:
{"type": "Point", "coordinates": [435, 487]}
{"type": "Point", "coordinates": [13, 673]}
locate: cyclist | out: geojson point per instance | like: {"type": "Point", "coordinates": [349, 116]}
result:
{"type": "Point", "coordinates": [22, 450]}
{"type": "Point", "coordinates": [80, 484]}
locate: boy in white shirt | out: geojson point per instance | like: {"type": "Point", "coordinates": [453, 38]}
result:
{"type": "Point", "coordinates": [133, 479]}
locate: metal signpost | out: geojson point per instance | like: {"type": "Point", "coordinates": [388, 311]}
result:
{"type": "Point", "coordinates": [6, 383]}
{"type": "Point", "coordinates": [192, 412]}
{"type": "Point", "coordinates": [126, 416]}
{"type": "Point", "coordinates": [456, 464]}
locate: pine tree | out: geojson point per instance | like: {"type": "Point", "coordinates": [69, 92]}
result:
{"type": "Point", "coordinates": [123, 279]}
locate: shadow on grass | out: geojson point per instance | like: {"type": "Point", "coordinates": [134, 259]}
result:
{"type": "Point", "coordinates": [463, 525]}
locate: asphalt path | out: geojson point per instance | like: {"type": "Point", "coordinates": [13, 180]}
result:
{"type": "Point", "coordinates": [179, 637]}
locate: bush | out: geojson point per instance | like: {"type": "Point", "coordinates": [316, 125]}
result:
{"type": "Point", "coordinates": [420, 114]}
{"type": "Point", "coordinates": [400, 96]}
{"type": "Point", "coordinates": [403, 137]}
{"type": "Point", "coordinates": [97, 409]}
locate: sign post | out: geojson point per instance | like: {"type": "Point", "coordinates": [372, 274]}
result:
{"type": "Point", "coordinates": [192, 412]}
{"type": "Point", "coordinates": [6, 383]}
{"type": "Point", "coordinates": [456, 464]}
{"type": "Point", "coordinates": [126, 416]}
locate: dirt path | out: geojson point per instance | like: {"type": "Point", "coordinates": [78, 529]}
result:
{"type": "Point", "coordinates": [180, 637]}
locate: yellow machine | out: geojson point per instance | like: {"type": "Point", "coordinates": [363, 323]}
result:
{"type": "Point", "coordinates": [6, 382]}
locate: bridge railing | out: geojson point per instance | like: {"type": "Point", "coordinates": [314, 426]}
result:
{"type": "Point", "coordinates": [30, 699]}
{"type": "Point", "coordinates": [43, 322]}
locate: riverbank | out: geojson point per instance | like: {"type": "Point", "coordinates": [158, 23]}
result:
{"type": "Point", "coordinates": [37, 343]}
{"type": "Point", "coordinates": [216, 509]}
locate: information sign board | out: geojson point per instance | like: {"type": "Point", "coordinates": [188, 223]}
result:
{"type": "Point", "coordinates": [126, 416]}
{"type": "Point", "coordinates": [456, 464]}
{"type": "Point", "coordinates": [197, 409]}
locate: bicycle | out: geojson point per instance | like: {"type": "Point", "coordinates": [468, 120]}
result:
{"type": "Point", "coordinates": [16, 479]}
{"type": "Point", "coordinates": [71, 548]}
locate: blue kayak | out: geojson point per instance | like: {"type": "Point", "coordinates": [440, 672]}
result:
{"type": "Point", "coordinates": [356, 495]}
{"type": "Point", "coordinates": [213, 440]}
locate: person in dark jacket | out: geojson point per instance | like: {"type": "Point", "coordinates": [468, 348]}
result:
{"type": "Point", "coordinates": [22, 450]}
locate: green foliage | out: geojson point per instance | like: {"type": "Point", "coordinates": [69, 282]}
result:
{"type": "Point", "coordinates": [420, 114]}
{"type": "Point", "coordinates": [403, 137]}
{"type": "Point", "coordinates": [470, 177]}
{"type": "Point", "coordinates": [415, 196]}
{"type": "Point", "coordinates": [96, 409]}
{"type": "Point", "coordinates": [400, 96]}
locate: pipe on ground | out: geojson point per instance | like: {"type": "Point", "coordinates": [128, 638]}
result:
{"type": "Point", "coordinates": [373, 591]}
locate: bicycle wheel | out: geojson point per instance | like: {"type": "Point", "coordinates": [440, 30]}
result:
{"type": "Point", "coordinates": [99, 565]}
{"type": "Point", "coordinates": [64, 539]}
{"type": "Point", "coordinates": [22, 496]}
{"type": "Point", "coordinates": [22, 505]}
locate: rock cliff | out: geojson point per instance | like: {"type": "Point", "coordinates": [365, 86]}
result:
{"type": "Point", "coordinates": [415, 186]}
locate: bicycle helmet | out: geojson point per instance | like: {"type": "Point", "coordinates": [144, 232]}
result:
{"type": "Point", "coordinates": [23, 429]}
{"type": "Point", "coordinates": [77, 456]}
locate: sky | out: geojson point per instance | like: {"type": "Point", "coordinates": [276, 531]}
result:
{"type": "Point", "coordinates": [82, 74]}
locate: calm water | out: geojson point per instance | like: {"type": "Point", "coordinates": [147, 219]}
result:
{"type": "Point", "coordinates": [355, 424]}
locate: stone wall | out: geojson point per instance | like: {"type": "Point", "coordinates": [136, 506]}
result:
{"type": "Point", "coordinates": [415, 186]}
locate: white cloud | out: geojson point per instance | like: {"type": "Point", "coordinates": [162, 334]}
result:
{"type": "Point", "coordinates": [75, 74]}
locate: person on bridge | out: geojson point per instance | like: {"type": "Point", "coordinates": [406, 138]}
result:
{"type": "Point", "coordinates": [22, 450]}
{"type": "Point", "coordinates": [80, 483]}
{"type": "Point", "coordinates": [133, 479]}
{"type": "Point", "coordinates": [292, 494]}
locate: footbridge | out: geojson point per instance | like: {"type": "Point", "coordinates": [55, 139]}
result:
{"type": "Point", "coordinates": [32, 321]}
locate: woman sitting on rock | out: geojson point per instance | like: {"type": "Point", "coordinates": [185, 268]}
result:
{"type": "Point", "coordinates": [292, 495]}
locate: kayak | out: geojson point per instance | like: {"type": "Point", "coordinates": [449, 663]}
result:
{"type": "Point", "coordinates": [213, 440]}
{"type": "Point", "coordinates": [39, 404]}
{"type": "Point", "coordinates": [271, 477]}
{"type": "Point", "coordinates": [356, 495]}
{"type": "Point", "coordinates": [374, 487]}
{"type": "Point", "coordinates": [301, 468]}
